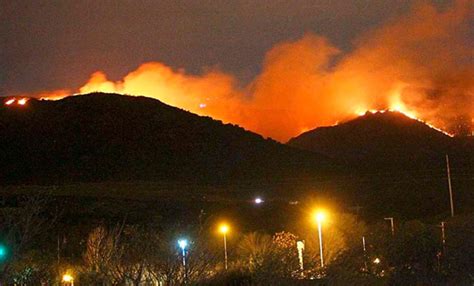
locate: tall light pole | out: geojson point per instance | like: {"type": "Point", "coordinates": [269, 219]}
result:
{"type": "Point", "coordinates": [365, 253]}
{"type": "Point", "coordinates": [451, 202]}
{"type": "Point", "coordinates": [183, 244]}
{"type": "Point", "coordinates": [392, 227]}
{"type": "Point", "coordinates": [224, 229]}
{"type": "Point", "coordinates": [319, 217]}
{"type": "Point", "coordinates": [300, 247]}
{"type": "Point", "coordinates": [443, 237]}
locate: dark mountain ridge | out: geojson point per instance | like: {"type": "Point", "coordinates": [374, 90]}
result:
{"type": "Point", "coordinates": [397, 164]}
{"type": "Point", "coordinates": [109, 137]}
{"type": "Point", "coordinates": [387, 140]}
{"type": "Point", "coordinates": [391, 165]}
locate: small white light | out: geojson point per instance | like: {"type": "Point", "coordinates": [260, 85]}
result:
{"type": "Point", "coordinates": [258, 201]}
{"type": "Point", "coordinates": [183, 243]}
{"type": "Point", "coordinates": [68, 278]}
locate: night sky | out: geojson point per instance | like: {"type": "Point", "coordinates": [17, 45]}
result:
{"type": "Point", "coordinates": [49, 45]}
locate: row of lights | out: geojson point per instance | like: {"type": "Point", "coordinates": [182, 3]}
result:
{"type": "Point", "coordinates": [318, 217]}
{"type": "Point", "coordinates": [183, 244]}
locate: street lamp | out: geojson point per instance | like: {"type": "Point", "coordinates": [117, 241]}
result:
{"type": "Point", "coordinates": [224, 229]}
{"type": "Point", "coordinates": [319, 217]}
{"type": "Point", "coordinates": [68, 279]}
{"type": "Point", "coordinates": [183, 244]}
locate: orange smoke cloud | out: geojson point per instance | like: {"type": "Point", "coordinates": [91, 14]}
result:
{"type": "Point", "coordinates": [420, 64]}
{"type": "Point", "coordinates": [209, 94]}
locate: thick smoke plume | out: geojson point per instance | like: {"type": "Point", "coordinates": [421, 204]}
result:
{"type": "Point", "coordinates": [420, 64]}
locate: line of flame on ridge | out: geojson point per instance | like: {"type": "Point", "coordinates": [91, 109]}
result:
{"type": "Point", "coordinates": [398, 108]}
{"type": "Point", "coordinates": [407, 114]}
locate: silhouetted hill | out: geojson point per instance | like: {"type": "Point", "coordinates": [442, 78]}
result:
{"type": "Point", "coordinates": [397, 163]}
{"type": "Point", "coordinates": [108, 137]}
{"type": "Point", "coordinates": [379, 140]}
{"type": "Point", "coordinates": [392, 165]}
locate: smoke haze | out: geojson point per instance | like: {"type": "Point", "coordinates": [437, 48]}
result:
{"type": "Point", "coordinates": [420, 64]}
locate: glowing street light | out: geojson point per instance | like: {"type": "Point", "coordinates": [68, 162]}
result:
{"type": "Point", "coordinates": [258, 200]}
{"type": "Point", "coordinates": [377, 260]}
{"type": "Point", "coordinates": [3, 252]}
{"type": "Point", "coordinates": [68, 279]}
{"type": "Point", "coordinates": [224, 229]}
{"type": "Point", "coordinates": [183, 244]}
{"type": "Point", "coordinates": [319, 217]}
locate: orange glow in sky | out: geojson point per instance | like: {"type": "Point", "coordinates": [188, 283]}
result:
{"type": "Point", "coordinates": [403, 66]}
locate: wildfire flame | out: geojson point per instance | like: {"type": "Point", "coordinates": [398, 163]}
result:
{"type": "Point", "coordinates": [20, 102]}
{"type": "Point", "coordinates": [418, 65]}
{"type": "Point", "coordinates": [396, 105]}
{"type": "Point", "coordinates": [407, 114]}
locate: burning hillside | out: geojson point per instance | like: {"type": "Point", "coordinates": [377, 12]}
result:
{"type": "Point", "coordinates": [111, 137]}
{"type": "Point", "coordinates": [385, 140]}
{"type": "Point", "coordinates": [419, 64]}
{"type": "Point", "coordinates": [16, 101]}
{"type": "Point", "coordinates": [407, 114]}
